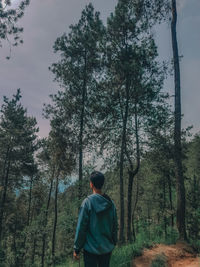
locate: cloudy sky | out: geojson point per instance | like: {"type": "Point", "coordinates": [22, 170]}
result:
{"type": "Point", "coordinates": [45, 20]}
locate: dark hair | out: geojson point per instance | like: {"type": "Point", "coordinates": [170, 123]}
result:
{"type": "Point", "coordinates": [97, 179]}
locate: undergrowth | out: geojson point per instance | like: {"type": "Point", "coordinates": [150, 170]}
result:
{"type": "Point", "coordinates": [160, 260]}
{"type": "Point", "coordinates": [123, 256]}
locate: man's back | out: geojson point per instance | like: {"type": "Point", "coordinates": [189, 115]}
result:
{"type": "Point", "coordinates": [96, 230]}
{"type": "Point", "coordinates": [97, 225]}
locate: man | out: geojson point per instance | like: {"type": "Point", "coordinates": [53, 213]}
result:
{"type": "Point", "coordinates": [96, 230]}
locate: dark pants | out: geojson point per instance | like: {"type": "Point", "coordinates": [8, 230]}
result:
{"type": "Point", "coordinates": [93, 260]}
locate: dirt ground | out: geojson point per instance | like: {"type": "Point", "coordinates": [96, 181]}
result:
{"type": "Point", "coordinates": [179, 255]}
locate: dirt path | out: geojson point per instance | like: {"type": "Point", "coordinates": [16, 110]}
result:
{"type": "Point", "coordinates": [179, 255]}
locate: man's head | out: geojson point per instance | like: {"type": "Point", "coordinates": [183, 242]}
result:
{"type": "Point", "coordinates": [97, 179]}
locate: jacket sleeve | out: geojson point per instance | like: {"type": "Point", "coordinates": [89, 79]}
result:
{"type": "Point", "coordinates": [115, 227]}
{"type": "Point", "coordinates": [82, 226]}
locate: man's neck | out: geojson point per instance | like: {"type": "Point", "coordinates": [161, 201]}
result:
{"type": "Point", "coordinates": [97, 191]}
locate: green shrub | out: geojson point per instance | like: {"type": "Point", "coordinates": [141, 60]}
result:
{"type": "Point", "coordinates": [71, 263]}
{"type": "Point", "coordinates": [2, 258]}
{"type": "Point", "coordinates": [122, 256]}
{"type": "Point", "coordinates": [159, 261]}
{"type": "Point", "coordinates": [195, 244]}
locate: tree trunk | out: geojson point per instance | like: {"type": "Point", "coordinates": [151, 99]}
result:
{"type": "Point", "coordinates": [14, 245]}
{"type": "Point", "coordinates": [33, 251]}
{"type": "Point", "coordinates": [123, 142]}
{"type": "Point", "coordinates": [180, 187]}
{"type": "Point", "coordinates": [30, 200]}
{"type": "Point", "coordinates": [129, 204]}
{"type": "Point", "coordinates": [170, 199]}
{"type": "Point", "coordinates": [82, 127]}
{"type": "Point", "coordinates": [55, 220]}
{"type": "Point", "coordinates": [45, 222]}
{"type": "Point", "coordinates": [164, 207]}
{"type": "Point", "coordinates": [28, 218]}
{"type": "Point", "coordinates": [148, 220]}
{"type": "Point", "coordinates": [132, 174]}
{"type": "Point", "coordinates": [133, 213]}
{"type": "Point", "coordinates": [4, 166]}
{"type": "Point", "coordinates": [3, 201]}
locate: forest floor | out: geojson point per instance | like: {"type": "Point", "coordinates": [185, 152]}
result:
{"type": "Point", "coordinates": [179, 255]}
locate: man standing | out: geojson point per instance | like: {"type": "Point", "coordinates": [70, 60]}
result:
{"type": "Point", "coordinates": [96, 230]}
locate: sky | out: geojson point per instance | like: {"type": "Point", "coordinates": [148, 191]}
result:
{"type": "Point", "coordinates": [45, 20]}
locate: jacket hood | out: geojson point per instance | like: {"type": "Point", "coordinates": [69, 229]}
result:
{"type": "Point", "coordinates": [99, 203]}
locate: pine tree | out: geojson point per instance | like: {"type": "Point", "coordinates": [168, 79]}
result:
{"type": "Point", "coordinates": [129, 96]}
{"type": "Point", "coordinates": [157, 11]}
{"type": "Point", "coordinates": [18, 133]}
{"type": "Point", "coordinates": [77, 72]}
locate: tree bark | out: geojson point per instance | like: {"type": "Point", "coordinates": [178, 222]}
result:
{"type": "Point", "coordinates": [3, 201]}
{"type": "Point", "coordinates": [121, 178]}
{"type": "Point", "coordinates": [28, 217]}
{"type": "Point", "coordinates": [82, 126]}
{"type": "Point", "coordinates": [45, 222]}
{"type": "Point", "coordinates": [133, 213]}
{"type": "Point", "coordinates": [170, 199]}
{"type": "Point", "coordinates": [30, 200]}
{"type": "Point", "coordinates": [129, 204]}
{"type": "Point", "coordinates": [149, 220]}
{"type": "Point", "coordinates": [55, 220]}
{"type": "Point", "coordinates": [14, 245]}
{"type": "Point", "coordinates": [132, 174]}
{"type": "Point", "coordinates": [180, 187]}
{"type": "Point", "coordinates": [164, 207]}
{"type": "Point", "coordinates": [33, 251]}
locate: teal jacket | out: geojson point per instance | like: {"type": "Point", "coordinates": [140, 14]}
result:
{"type": "Point", "coordinates": [97, 226]}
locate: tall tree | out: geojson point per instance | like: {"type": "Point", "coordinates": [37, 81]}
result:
{"type": "Point", "coordinates": [18, 144]}
{"type": "Point", "coordinates": [77, 72]}
{"type": "Point", "coordinates": [156, 11]}
{"type": "Point", "coordinates": [58, 160]}
{"type": "Point", "coordinates": [63, 158]}
{"type": "Point", "coordinates": [180, 216]}
{"type": "Point", "coordinates": [133, 80]}
{"type": "Point", "coordinates": [48, 171]}
{"type": "Point", "coordinates": [192, 185]}
{"type": "Point", "coordinates": [161, 159]}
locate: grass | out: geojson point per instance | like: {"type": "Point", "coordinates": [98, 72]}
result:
{"type": "Point", "coordinates": [121, 256]}
{"type": "Point", "coordinates": [124, 255]}
{"type": "Point", "coordinates": [71, 263]}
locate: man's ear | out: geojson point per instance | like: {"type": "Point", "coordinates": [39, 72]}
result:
{"type": "Point", "coordinates": [91, 185]}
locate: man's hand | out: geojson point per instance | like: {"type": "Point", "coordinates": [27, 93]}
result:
{"type": "Point", "coordinates": [76, 256]}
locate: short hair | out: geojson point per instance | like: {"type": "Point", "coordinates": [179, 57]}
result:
{"type": "Point", "coordinates": [97, 179]}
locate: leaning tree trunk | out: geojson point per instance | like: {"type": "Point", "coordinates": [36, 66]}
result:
{"type": "Point", "coordinates": [180, 187]}
{"type": "Point", "coordinates": [132, 174]}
